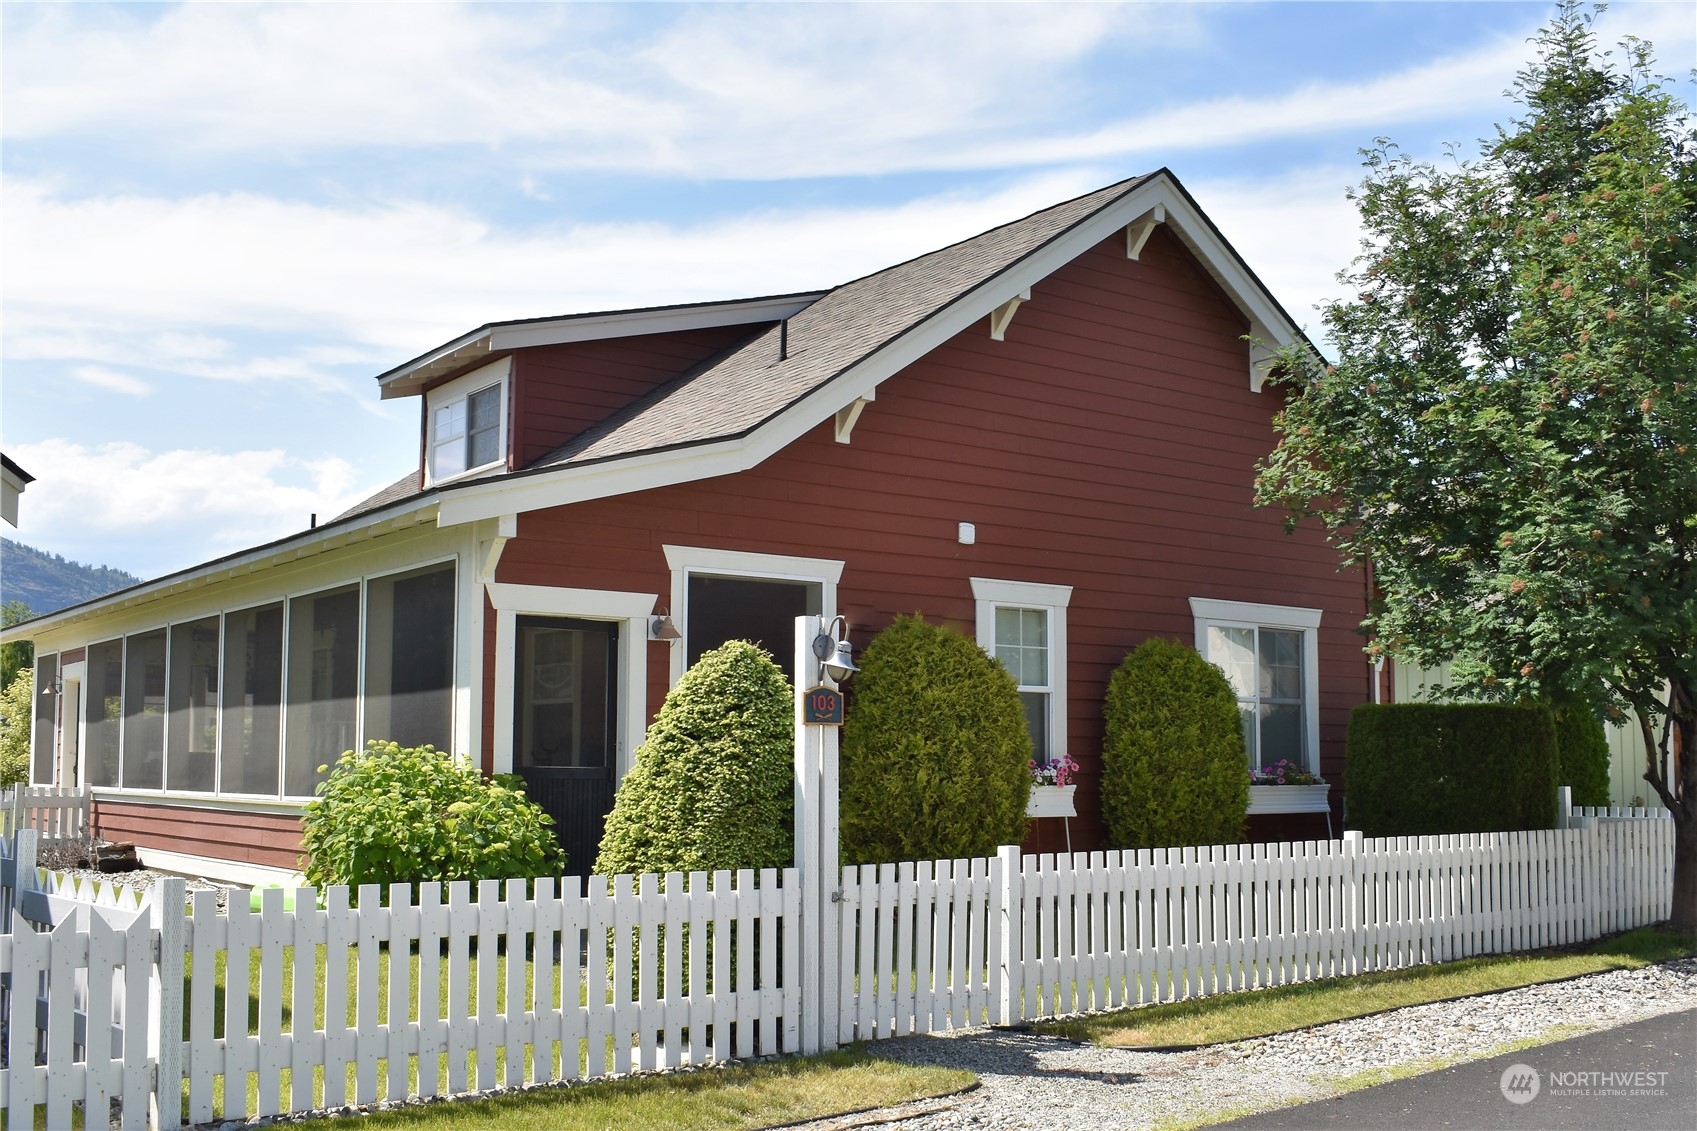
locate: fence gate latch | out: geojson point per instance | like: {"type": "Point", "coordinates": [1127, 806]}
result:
{"type": "Point", "coordinates": [838, 896]}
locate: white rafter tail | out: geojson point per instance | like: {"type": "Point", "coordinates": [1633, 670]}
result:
{"type": "Point", "coordinates": [1003, 314]}
{"type": "Point", "coordinates": [850, 413]}
{"type": "Point", "coordinates": [1262, 356]}
{"type": "Point", "coordinates": [1137, 232]}
{"type": "Point", "coordinates": [489, 550]}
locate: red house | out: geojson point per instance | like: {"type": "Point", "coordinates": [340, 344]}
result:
{"type": "Point", "coordinates": [1044, 435]}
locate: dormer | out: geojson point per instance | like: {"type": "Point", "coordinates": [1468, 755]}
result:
{"type": "Point", "coordinates": [507, 394]}
{"type": "Point", "coordinates": [466, 423]}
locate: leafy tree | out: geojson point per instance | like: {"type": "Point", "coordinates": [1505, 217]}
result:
{"type": "Point", "coordinates": [1509, 435]}
{"type": "Point", "coordinates": [17, 704]}
{"type": "Point", "coordinates": [714, 784]}
{"type": "Point", "coordinates": [936, 750]}
{"type": "Point", "coordinates": [15, 655]}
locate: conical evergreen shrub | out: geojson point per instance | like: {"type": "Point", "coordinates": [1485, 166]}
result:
{"type": "Point", "coordinates": [934, 751]}
{"type": "Point", "coordinates": [713, 786]}
{"type": "Point", "coordinates": [1173, 765]}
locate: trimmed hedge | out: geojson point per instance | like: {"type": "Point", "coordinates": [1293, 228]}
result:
{"type": "Point", "coordinates": [935, 750]}
{"type": "Point", "coordinates": [1174, 770]}
{"type": "Point", "coordinates": [714, 784]}
{"type": "Point", "coordinates": [1418, 769]}
{"type": "Point", "coordinates": [1582, 750]}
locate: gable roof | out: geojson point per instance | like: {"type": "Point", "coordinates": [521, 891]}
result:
{"type": "Point", "coordinates": [735, 410]}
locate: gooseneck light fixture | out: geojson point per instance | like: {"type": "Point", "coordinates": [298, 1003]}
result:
{"type": "Point", "coordinates": [833, 651]}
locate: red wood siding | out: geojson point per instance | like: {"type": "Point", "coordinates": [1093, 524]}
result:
{"type": "Point", "coordinates": [561, 390]}
{"type": "Point", "coordinates": [1108, 444]}
{"type": "Point", "coordinates": [269, 839]}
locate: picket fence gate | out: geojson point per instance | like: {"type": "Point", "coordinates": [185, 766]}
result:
{"type": "Point", "coordinates": [544, 980]}
{"type": "Point", "coordinates": [56, 813]}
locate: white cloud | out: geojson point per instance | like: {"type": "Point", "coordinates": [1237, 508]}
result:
{"type": "Point", "coordinates": [154, 511]}
{"type": "Point", "coordinates": [107, 280]}
{"type": "Point", "coordinates": [763, 91]}
{"type": "Point", "coordinates": [102, 378]}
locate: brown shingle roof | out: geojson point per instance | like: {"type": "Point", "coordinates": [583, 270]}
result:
{"type": "Point", "coordinates": [731, 395]}
{"type": "Point", "coordinates": [402, 488]}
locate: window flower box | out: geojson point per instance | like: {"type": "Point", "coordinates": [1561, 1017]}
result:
{"type": "Point", "coordinates": [1051, 801]}
{"type": "Point", "coordinates": [1313, 798]}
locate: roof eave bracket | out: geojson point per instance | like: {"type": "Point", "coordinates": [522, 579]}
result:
{"type": "Point", "coordinates": [1003, 314]}
{"type": "Point", "coordinates": [1137, 232]}
{"type": "Point", "coordinates": [850, 413]}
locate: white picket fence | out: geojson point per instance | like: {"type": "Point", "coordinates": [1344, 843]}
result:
{"type": "Point", "coordinates": [501, 984]}
{"type": "Point", "coordinates": [998, 940]}
{"type": "Point", "coordinates": [56, 813]}
{"type": "Point", "coordinates": [548, 980]}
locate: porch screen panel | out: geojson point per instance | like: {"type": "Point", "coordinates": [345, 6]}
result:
{"type": "Point", "coordinates": [144, 710]}
{"type": "Point", "coordinates": [323, 685]}
{"type": "Point", "coordinates": [46, 713]}
{"type": "Point", "coordinates": [191, 733]}
{"type": "Point", "coordinates": [409, 657]}
{"type": "Point", "coordinates": [103, 697]}
{"type": "Point", "coordinates": [253, 697]}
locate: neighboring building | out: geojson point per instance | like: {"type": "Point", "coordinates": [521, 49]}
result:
{"type": "Point", "coordinates": [1045, 435]}
{"type": "Point", "coordinates": [13, 480]}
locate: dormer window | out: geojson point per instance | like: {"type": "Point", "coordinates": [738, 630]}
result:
{"type": "Point", "coordinates": [467, 423]}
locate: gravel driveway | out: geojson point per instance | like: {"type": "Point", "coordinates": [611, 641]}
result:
{"type": "Point", "coordinates": [1040, 1082]}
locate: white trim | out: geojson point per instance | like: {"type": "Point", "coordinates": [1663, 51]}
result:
{"type": "Point", "coordinates": [646, 470]}
{"type": "Point", "coordinates": [991, 594]}
{"type": "Point", "coordinates": [849, 415]}
{"type": "Point", "coordinates": [496, 375]}
{"type": "Point", "coordinates": [408, 379]}
{"type": "Point", "coordinates": [631, 609]}
{"type": "Point", "coordinates": [1250, 614]}
{"type": "Point", "coordinates": [685, 560]}
{"type": "Point", "coordinates": [220, 871]}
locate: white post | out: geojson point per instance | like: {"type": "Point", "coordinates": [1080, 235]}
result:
{"type": "Point", "coordinates": [1355, 908]}
{"type": "Point", "coordinates": [1005, 916]}
{"type": "Point", "coordinates": [808, 872]}
{"type": "Point", "coordinates": [1564, 806]}
{"type": "Point", "coordinates": [165, 1023]}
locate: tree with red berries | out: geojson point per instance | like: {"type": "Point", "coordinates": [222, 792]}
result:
{"type": "Point", "coordinates": [1509, 434]}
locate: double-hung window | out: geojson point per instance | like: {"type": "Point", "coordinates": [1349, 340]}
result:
{"type": "Point", "coordinates": [1023, 624]}
{"type": "Point", "coordinates": [467, 422]}
{"type": "Point", "coordinates": [1270, 654]}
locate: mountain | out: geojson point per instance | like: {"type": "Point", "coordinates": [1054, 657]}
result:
{"type": "Point", "coordinates": [47, 582]}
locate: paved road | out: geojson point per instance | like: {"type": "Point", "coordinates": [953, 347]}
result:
{"type": "Point", "coordinates": [1663, 1049]}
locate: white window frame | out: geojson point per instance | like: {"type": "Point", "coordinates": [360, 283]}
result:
{"type": "Point", "coordinates": [686, 560]}
{"type": "Point", "coordinates": [992, 594]}
{"type": "Point", "coordinates": [1291, 618]}
{"type": "Point", "coordinates": [630, 610]}
{"type": "Point", "coordinates": [496, 373]}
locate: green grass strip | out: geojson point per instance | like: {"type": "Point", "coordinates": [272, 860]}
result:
{"type": "Point", "coordinates": [713, 1099]}
{"type": "Point", "coordinates": [1259, 1013]}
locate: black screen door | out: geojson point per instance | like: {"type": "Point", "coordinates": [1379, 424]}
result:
{"type": "Point", "coordinates": [565, 727]}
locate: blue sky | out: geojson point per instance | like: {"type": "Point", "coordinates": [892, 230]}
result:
{"type": "Point", "coordinates": [221, 222]}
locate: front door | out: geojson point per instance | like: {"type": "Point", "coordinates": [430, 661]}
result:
{"type": "Point", "coordinates": [565, 727]}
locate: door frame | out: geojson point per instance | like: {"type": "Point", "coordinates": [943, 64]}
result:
{"type": "Point", "coordinates": [685, 560]}
{"type": "Point", "coordinates": [632, 609]}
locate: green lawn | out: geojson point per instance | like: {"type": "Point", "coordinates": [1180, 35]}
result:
{"type": "Point", "coordinates": [1256, 1013]}
{"type": "Point", "coordinates": [739, 1096]}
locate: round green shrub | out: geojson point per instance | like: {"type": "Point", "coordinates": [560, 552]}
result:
{"type": "Point", "coordinates": [17, 706]}
{"type": "Point", "coordinates": [402, 814]}
{"type": "Point", "coordinates": [1582, 749]}
{"type": "Point", "coordinates": [713, 786]}
{"type": "Point", "coordinates": [1173, 764]}
{"type": "Point", "coordinates": [935, 750]}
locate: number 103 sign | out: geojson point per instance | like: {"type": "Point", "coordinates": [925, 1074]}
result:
{"type": "Point", "coordinates": [822, 706]}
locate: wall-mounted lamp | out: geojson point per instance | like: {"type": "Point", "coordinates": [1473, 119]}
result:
{"type": "Point", "coordinates": [835, 655]}
{"type": "Point", "coordinates": [54, 688]}
{"type": "Point", "coordinates": [661, 628]}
